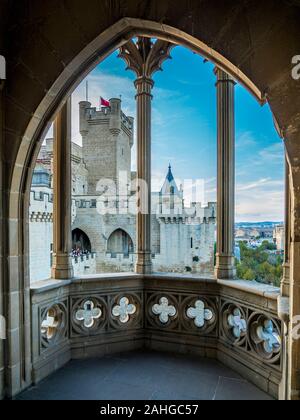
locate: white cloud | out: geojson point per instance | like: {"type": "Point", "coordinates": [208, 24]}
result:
{"type": "Point", "coordinates": [245, 139]}
{"type": "Point", "coordinates": [260, 201]}
{"type": "Point", "coordinates": [254, 185]}
{"type": "Point", "coordinates": [273, 153]}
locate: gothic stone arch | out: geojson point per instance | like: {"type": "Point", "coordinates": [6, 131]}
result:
{"type": "Point", "coordinates": [259, 50]}
{"type": "Point", "coordinates": [120, 242]}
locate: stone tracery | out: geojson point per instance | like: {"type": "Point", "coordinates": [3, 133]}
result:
{"type": "Point", "coordinates": [88, 314]}
{"type": "Point", "coordinates": [124, 310]}
{"type": "Point", "coordinates": [200, 314]}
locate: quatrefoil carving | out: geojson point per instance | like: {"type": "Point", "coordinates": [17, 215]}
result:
{"type": "Point", "coordinates": [88, 314]}
{"type": "Point", "coordinates": [268, 336]}
{"type": "Point", "coordinates": [199, 314]}
{"type": "Point", "coordinates": [237, 323]}
{"type": "Point", "coordinates": [164, 310]}
{"type": "Point", "coordinates": [50, 324]}
{"type": "Point", "coordinates": [124, 310]}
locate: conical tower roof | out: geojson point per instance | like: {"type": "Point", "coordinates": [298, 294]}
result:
{"type": "Point", "coordinates": [170, 186]}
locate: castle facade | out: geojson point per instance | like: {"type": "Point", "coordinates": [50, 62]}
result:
{"type": "Point", "coordinates": [104, 200]}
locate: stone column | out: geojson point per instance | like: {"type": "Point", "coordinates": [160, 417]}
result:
{"type": "Point", "coordinates": [284, 298]}
{"type": "Point", "coordinates": [144, 57]}
{"type": "Point", "coordinates": [285, 284]}
{"type": "Point", "coordinates": [293, 151]}
{"type": "Point", "coordinates": [2, 322]}
{"type": "Point", "coordinates": [62, 185]}
{"type": "Point", "coordinates": [144, 255]}
{"type": "Point", "coordinates": [225, 264]}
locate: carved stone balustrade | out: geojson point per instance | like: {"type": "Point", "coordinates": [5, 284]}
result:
{"type": "Point", "coordinates": [235, 322]}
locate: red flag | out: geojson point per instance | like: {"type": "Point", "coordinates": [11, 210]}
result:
{"type": "Point", "coordinates": [104, 102]}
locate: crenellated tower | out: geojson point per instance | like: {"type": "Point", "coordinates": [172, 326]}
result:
{"type": "Point", "coordinates": [107, 139]}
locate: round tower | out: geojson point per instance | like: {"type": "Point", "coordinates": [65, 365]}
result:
{"type": "Point", "coordinates": [115, 116]}
{"type": "Point", "coordinates": [83, 124]}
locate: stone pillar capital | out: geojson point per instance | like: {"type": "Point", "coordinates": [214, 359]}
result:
{"type": "Point", "coordinates": [223, 77]}
{"type": "Point", "coordinates": [144, 56]}
{"type": "Point", "coordinates": [144, 86]}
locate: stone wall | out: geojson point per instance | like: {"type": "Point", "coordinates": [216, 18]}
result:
{"type": "Point", "coordinates": [185, 247]}
{"type": "Point", "coordinates": [84, 265]}
{"type": "Point", "coordinates": [41, 239]}
{"type": "Point", "coordinates": [107, 138]}
{"type": "Point", "coordinates": [40, 233]}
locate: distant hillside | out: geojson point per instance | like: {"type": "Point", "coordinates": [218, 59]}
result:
{"type": "Point", "coordinates": [258, 224]}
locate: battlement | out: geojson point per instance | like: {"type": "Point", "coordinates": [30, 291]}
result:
{"type": "Point", "coordinates": [41, 205]}
{"type": "Point", "coordinates": [41, 196]}
{"type": "Point", "coordinates": [113, 116]}
{"type": "Point", "coordinates": [107, 140]}
{"type": "Point", "coordinates": [185, 219]}
{"type": "Point", "coordinates": [41, 217]}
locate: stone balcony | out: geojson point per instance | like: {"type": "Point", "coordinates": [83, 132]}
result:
{"type": "Point", "coordinates": [145, 375]}
{"type": "Point", "coordinates": [232, 322]}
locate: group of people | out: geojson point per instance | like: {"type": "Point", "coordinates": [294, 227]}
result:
{"type": "Point", "coordinates": [78, 252]}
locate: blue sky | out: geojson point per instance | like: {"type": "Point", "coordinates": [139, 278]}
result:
{"type": "Point", "coordinates": [184, 131]}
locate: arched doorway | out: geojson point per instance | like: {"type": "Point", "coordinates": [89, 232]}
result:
{"type": "Point", "coordinates": [120, 242]}
{"type": "Point", "coordinates": [81, 242]}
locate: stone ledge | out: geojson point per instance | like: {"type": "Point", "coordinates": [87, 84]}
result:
{"type": "Point", "coordinates": [263, 290]}
{"type": "Point", "coordinates": [106, 276]}
{"type": "Point", "coordinates": [47, 285]}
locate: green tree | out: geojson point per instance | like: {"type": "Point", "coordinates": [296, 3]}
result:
{"type": "Point", "coordinates": [249, 275]}
{"type": "Point", "coordinates": [260, 264]}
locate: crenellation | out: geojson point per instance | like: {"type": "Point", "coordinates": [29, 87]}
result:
{"type": "Point", "coordinates": [107, 139]}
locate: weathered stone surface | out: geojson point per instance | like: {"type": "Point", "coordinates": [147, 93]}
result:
{"type": "Point", "coordinates": [109, 335]}
{"type": "Point", "coordinates": [41, 40]}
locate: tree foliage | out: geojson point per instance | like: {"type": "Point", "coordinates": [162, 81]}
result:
{"type": "Point", "coordinates": [260, 264]}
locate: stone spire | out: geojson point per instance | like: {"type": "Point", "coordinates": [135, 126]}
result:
{"type": "Point", "coordinates": [144, 57]}
{"type": "Point", "coordinates": [170, 175]}
{"type": "Point", "coordinates": [170, 186]}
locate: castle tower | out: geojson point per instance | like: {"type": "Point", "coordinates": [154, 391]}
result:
{"type": "Point", "coordinates": [107, 139]}
{"type": "Point", "coordinates": [170, 197]}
